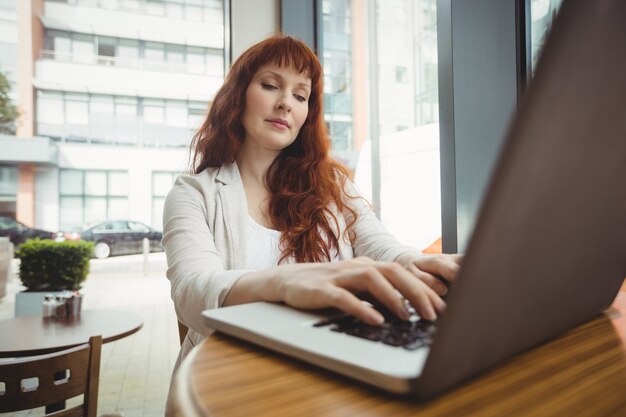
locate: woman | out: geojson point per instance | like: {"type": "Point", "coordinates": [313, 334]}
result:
{"type": "Point", "coordinates": [268, 215]}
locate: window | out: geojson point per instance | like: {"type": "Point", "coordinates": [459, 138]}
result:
{"type": "Point", "coordinates": [161, 184]}
{"type": "Point", "coordinates": [76, 112]}
{"type": "Point", "coordinates": [87, 196]}
{"type": "Point", "coordinates": [106, 46]}
{"type": "Point", "coordinates": [176, 114]}
{"type": "Point", "coordinates": [96, 118]}
{"type": "Point", "coordinates": [154, 52]}
{"type": "Point", "coordinates": [8, 190]}
{"type": "Point", "coordinates": [542, 14]}
{"type": "Point", "coordinates": [407, 139]}
{"type": "Point", "coordinates": [50, 108]}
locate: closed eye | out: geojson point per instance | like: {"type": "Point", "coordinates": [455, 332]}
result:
{"type": "Point", "coordinates": [268, 86]}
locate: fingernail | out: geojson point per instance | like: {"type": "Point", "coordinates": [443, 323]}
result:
{"type": "Point", "coordinates": [440, 288]}
{"type": "Point", "coordinates": [430, 313]}
{"type": "Point", "coordinates": [376, 318]}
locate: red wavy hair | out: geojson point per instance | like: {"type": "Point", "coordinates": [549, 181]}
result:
{"type": "Point", "coordinates": [305, 184]}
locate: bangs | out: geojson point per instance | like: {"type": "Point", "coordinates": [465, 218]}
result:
{"type": "Point", "coordinates": [286, 51]}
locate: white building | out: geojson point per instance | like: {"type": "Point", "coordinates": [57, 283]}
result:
{"type": "Point", "coordinates": [110, 94]}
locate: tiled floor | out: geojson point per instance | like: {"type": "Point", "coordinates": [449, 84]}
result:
{"type": "Point", "coordinates": [135, 371]}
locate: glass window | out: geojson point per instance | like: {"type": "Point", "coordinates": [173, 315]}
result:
{"type": "Point", "coordinates": [8, 181]}
{"type": "Point", "coordinates": [407, 130]}
{"type": "Point", "coordinates": [215, 65]}
{"type": "Point", "coordinates": [154, 52]}
{"type": "Point", "coordinates": [71, 182]}
{"type": "Point", "coordinates": [196, 117]}
{"type": "Point", "coordinates": [109, 4]}
{"type": "Point", "coordinates": [50, 108]}
{"type": "Point", "coordinates": [176, 114]}
{"type": "Point", "coordinates": [62, 43]}
{"type": "Point", "coordinates": [174, 10]}
{"type": "Point", "coordinates": [95, 183]}
{"type": "Point", "coordinates": [156, 7]}
{"type": "Point", "coordinates": [76, 112]}
{"type": "Point", "coordinates": [118, 183]}
{"type": "Point", "coordinates": [83, 48]}
{"type": "Point", "coordinates": [138, 227]}
{"type": "Point", "coordinates": [134, 5]}
{"type": "Point", "coordinates": [128, 49]}
{"type": "Point", "coordinates": [106, 46]}
{"type": "Point", "coordinates": [542, 14]}
{"type": "Point", "coordinates": [101, 105]}
{"type": "Point", "coordinates": [95, 209]}
{"type": "Point", "coordinates": [154, 114]}
{"type": "Point", "coordinates": [175, 54]}
{"type": "Point", "coordinates": [195, 60]}
{"type": "Point", "coordinates": [125, 109]}
{"type": "Point", "coordinates": [193, 13]}
{"type": "Point", "coordinates": [8, 4]}
{"type": "Point", "coordinates": [104, 196]}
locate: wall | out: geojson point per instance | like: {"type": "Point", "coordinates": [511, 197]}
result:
{"type": "Point", "coordinates": [251, 22]}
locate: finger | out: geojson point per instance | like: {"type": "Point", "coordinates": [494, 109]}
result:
{"type": "Point", "coordinates": [433, 282]}
{"type": "Point", "coordinates": [346, 301]}
{"type": "Point", "coordinates": [372, 280]}
{"type": "Point", "coordinates": [417, 292]}
{"type": "Point", "coordinates": [444, 266]}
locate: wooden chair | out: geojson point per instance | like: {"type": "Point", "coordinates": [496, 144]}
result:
{"type": "Point", "coordinates": [182, 332]}
{"type": "Point", "coordinates": [35, 381]}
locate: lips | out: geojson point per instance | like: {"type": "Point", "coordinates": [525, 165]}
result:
{"type": "Point", "coordinates": [279, 121]}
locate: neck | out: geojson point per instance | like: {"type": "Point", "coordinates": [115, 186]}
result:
{"type": "Point", "coordinates": [253, 165]}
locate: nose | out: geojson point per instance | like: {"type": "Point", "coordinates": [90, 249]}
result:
{"type": "Point", "coordinates": [283, 104]}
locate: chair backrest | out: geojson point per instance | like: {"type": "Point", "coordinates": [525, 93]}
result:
{"type": "Point", "coordinates": [182, 332]}
{"type": "Point", "coordinates": [35, 381]}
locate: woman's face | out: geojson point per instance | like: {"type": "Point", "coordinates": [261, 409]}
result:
{"type": "Point", "coordinates": [277, 104]}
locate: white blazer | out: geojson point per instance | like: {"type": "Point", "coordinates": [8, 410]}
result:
{"type": "Point", "coordinates": [205, 227]}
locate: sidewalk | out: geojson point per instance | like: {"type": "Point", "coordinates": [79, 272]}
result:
{"type": "Point", "coordinates": [136, 370]}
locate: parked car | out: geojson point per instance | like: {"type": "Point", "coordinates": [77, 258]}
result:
{"type": "Point", "coordinates": [19, 233]}
{"type": "Point", "coordinates": [118, 237]}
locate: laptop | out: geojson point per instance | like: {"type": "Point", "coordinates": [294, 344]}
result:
{"type": "Point", "coordinates": [548, 251]}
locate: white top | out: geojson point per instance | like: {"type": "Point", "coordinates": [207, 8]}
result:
{"type": "Point", "coordinates": [263, 246]}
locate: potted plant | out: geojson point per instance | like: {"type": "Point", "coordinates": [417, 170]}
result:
{"type": "Point", "coordinates": [49, 267]}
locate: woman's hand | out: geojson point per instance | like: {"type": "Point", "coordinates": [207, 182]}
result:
{"type": "Point", "coordinates": [436, 271]}
{"type": "Point", "coordinates": [333, 284]}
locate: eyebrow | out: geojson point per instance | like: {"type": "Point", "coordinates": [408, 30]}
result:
{"type": "Point", "coordinates": [275, 74]}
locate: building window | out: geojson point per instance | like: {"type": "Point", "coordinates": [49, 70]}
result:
{"type": "Point", "coordinates": [88, 196]}
{"type": "Point", "coordinates": [132, 53]}
{"type": "Point", "coordinates": [161, 184]}
{"type": "Point", "coordinates": [117, 120]}
{"type": "Point", "coordinates": [407, 141]}
{"type": "Point", "coordinates": [8, 190]}
{"type": "Point", "coordinates": [542, 14]}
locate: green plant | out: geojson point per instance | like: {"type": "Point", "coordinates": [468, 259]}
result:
{"type": "Point", "coordinates": [46, 265]}
{"type": "Point", "coordinates": [8, 112]}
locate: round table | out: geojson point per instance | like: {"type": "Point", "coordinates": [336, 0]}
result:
{"type": "Point", "coordinates": [34, 335]}
{"type": "Point", "coordinates": [582, 372]}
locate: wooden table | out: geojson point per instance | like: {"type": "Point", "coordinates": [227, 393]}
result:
{"type": "Point", "coordinates": [34, 335]}
{"type": "Point", "coordinates": [581, 373]}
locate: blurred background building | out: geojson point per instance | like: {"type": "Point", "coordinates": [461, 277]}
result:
{"type": "Point", "coordinates": [110, 93]}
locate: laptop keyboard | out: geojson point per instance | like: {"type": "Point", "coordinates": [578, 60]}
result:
{"type": "Point", "coordinates": [411, 334]}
